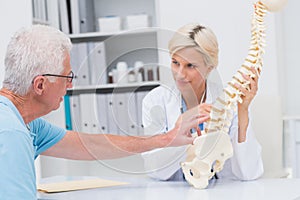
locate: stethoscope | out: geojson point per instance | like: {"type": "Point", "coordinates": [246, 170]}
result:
{"type": "Point", "coordinates": [183, 108]}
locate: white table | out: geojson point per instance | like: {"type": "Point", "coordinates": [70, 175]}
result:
{"type": "Point", "coordinates": [140, 188]}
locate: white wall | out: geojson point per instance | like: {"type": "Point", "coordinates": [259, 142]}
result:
{"type": "Point", "coordinates": [290, 82]}
{"type": "Point", "coordinates": [290, 69]}
{"type": "Point", "coordinates": [14, 15]}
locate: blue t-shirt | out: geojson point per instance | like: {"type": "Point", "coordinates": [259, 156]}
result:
{"type": "Point", "coordinates": [19, 146]}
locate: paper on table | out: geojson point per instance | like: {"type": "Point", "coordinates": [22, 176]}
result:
{"type": "Point", "coordinates": [77, 185]}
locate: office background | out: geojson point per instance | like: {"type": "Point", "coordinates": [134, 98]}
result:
{"type": "Point", "coordinates": [278, 96]}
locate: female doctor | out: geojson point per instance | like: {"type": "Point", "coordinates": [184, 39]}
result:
{"type": "Point", "coordinates": [194, 52]}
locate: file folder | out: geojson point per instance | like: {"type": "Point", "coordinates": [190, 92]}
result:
{"type": "Point", "coordinates": [78, 185]}
{"type": "Point", "coordinates": [64, 18]}
{"type": "Point", "coordinates": [68, 112]}
{"type": "Point", "coordinates": [79, 62]}
{"type": "Point", "coordinates": [111, 114]}
{"type": "Point", "coordinates": [86, 16]}
{"type": "Point", "coordinates": [120, 108]}
{"type": "Point", "coordinates": [133, 123]}
{"type": "Point", "coordinates": [97, 63]}
{"type": "Point", "coordinates": [75, 112]}
{"type": "Point", "coordinates": [88, 110]}
{"type": "Point", "coordinates": [102, 118]}
{"type": "Point", "coordinates": [139, 98]}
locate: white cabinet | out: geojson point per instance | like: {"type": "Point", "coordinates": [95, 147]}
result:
{"type": "Point", "coordinates": [126, 44]}
{"type": "Point", "coordinates": [96, 53]}
{"type": "Point", "coordinates": [135, 41]}
{"type": "Point", "coordinates": [107, 108]}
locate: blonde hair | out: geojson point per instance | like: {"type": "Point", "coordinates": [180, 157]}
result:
{"type": "Point", "coordinates": [201, 38]}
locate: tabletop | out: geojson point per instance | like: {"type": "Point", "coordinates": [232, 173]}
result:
{"type": "Point", "coordinates": [144, 188]}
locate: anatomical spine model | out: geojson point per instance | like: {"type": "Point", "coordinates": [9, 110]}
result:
{"type": "Point", "coordinates": [209, 152]}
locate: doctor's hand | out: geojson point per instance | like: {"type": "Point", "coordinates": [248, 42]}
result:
{"type": "Point", "coordinates": [248, 95]}
{"type": "Point", "coordinates": [186, 121]}
{"type": "Point", "coordinates": [203, 108]}
{"type": "Point", "coordinates": [250, 92]}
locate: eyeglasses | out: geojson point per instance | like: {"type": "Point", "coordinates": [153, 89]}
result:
{"type": "Point", "coordinates": [69, 77]}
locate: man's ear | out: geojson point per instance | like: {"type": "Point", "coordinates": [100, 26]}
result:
{"type": "Point", "coordinates": [39, 85]}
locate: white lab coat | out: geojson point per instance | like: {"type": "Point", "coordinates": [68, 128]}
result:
{"type": "Point", "coordinates": [161, 108]}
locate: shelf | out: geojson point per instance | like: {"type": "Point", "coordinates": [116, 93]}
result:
{"type": "Point", "coordinates": [291, 117]}
{"type": "Point", "coordinates": [40, 21]}
{"type": "Point", "coordinates": [101, 36]}
{"type": "Point", "coordinates": [113, 88]}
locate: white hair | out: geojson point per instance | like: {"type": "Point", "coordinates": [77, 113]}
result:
{"type": "Point", "coordinates": [33, 51]}
{"type": "Point", "coordinates": [201, 38]}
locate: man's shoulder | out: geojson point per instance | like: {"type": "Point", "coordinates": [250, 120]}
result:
{"type": "Point", "coordinates": [9, 120]}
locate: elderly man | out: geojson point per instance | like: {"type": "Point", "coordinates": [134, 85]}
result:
{"type": "Point", "coordinates": [37, 75]}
